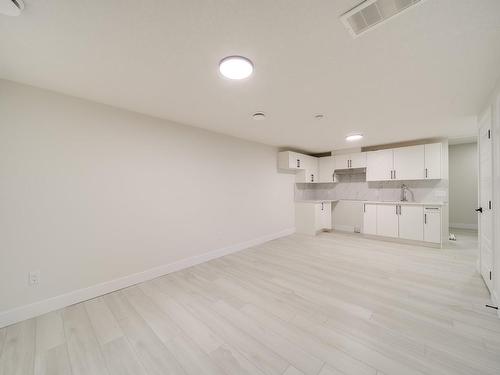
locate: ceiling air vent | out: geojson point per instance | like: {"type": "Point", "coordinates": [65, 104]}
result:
{"type": "Point", "coordinates": [371, 13]}
{"type": "Point", "coordinates": [11, 7]}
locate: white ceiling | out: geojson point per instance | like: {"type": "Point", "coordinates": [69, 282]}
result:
{"type": "Point", "coordinates": [423, 74]}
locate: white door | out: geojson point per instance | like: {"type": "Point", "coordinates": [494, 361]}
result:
{"type": "Point", "coordinates": [379, 165]}
{"type": "Point", "coordinates": [411, 222]}
{"type": "Point", "coordinates": [342, 161]}
{"type": "Point", "coordinates": [433, 161]}
{"type": "Point", "coordinates": [409, 163]}
{"type": "Point", "coordinates": [485, 197]}
{"type": "Point", "coordinates": [358, 160]}
{"type": "Point", "coordinates": [432, 225]}
{"type": "Point", "coordinates": [387, 220]}
{"type": "Point", "coordinates": [326, 169]}
{"type": "Point", "coordinates": [370, 218]}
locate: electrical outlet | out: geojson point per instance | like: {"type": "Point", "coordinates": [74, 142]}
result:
{"type": "Point", "coordinates": [34, 278]}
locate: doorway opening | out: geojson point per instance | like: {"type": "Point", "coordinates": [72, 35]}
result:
{"type": "Point", "coordinates": [463, 192]}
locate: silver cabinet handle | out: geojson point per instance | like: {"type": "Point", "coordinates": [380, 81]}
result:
{"type": "Point", "coordinates": [426, 173]}
{"type": "Point", "coordinates": [364, 207]}
{"type": "Point", "coordinates": [425, 218]}
{"type": "Point", "coordinates": [394, 174]}
{"type": "Point", "coordinates": [298, 163]}
{"type": "Point", "coordinates": [391, 174]}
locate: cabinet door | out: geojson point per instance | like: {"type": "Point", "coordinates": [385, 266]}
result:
{"type": "Point", "coordinates": [433, 161]}
{"type": "Point", "coordinates": [326, 169]}
{"type": "Point", "coordinates": [312, 167]}
{"type": "Point", "coordinates": [323, 213]}
{"type": "Point", "coordinates": [312, 175]}
{"type": "Point", "coordinates": [379, 165]}
{"type": "Point", "coordinates": [387, 220]}
{"type": "Point", "coordinates": [409, 163]}
{"type": "Point", "coordinates": [326, 215]}
{"type": "Point", "coordinates": [369, 218]}
{"type": "Point", "coordinates": [358, 160]}
{"type": "Point", "coordinates": [342, 161]}
{"type": "Point", "coordinates": [411, 222]}
{"type": "Point", "coordinates": [306, 176]}
{"type": "Point", "coordinates": [290, 160]}
{"type": "Point", "coordinates": [432, 225]}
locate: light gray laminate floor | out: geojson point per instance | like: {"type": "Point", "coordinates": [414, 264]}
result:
{"type": "Point", "coordinates": [333, 304]}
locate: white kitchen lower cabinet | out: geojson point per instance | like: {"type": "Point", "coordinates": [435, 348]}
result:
{"type": "Point", "coordinates": [370, 218]}
{"type": "Point", "coordinates": [432, 224]}
{"type": "Point", "coordinates": [411, 222]}
{"type": "Point", "coordinates": [417, 222]}
{"type": "Point", "coordinates": [324, 216]}
{"type": "Point", "coordinates": [313, 217]}
{"type": "Point", "coordinates": [387, 220]}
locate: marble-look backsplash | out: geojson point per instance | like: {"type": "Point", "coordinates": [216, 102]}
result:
{"type": "Point", "coordinates": [354, 187]}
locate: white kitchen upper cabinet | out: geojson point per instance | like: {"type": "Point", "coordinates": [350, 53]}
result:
{"type": "Point", "coordinates": [379, 165]}
{"type": "Point", "coordinates": [342, 161]}
{"type": "Point", "coordinates": [310, 173]}
{"type": "Point", "coordinates": [409, 163]}
{"type": "Point", "coordinates": [307, 176]}
{"type": "Point", "coordinates": [369, 218]}
{"type": "Point", "coordinates": [433, 161]}
{"type": "Point", "coordinates": [291, 160]}
{"type": "Point", "coordinates": [358, 160]}
{"type": "Point", "coordinates": [326, 168]}
{"type": "Point", "coordinates": [411, 222]}
{"type": "Point", "coordinates": [387, 220]}
{"type": "Point", "coordinates": [349, 161]}
{"type": "Point", "coordinates": [432, 224]}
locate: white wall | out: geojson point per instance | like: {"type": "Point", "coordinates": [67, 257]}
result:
{"type": "Point", "coordinates": [463, 185]}
{"type": "Point", "coordinates": [90, 193]}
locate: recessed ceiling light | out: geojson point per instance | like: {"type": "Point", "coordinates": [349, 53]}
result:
{"type": "Point", "coordinates": [259, 116]}
{"type": "Point", "coordinates": [236, 67]}
{"type": "Point", "coordinates": [354, 137]}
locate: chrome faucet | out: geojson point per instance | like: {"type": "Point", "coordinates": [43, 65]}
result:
{"type": "Point", "coordinates": [404, 193]}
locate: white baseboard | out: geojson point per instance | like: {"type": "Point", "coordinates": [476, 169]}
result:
{"type": "Point", "coordinates": [463, 226]}
{"type": "Point", "coordinates": [42, 307]}
{"type": "Point", "coordinates": [344, 228]}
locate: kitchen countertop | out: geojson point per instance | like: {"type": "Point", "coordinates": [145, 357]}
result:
{"type": "Point", "coordinates": [375, 202]}
{"type": "Point", "coordinates": [317, 201]}
{"type": "Point", "coordinates": [407, 203]}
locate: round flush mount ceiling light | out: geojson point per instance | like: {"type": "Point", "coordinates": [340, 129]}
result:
{"type": "Point", "coordinates": [354, 137]}
{"type": "Point", "coordinates": [319, 116]}
{"type": "Point", "coordinates": [259, 116]}
{"type": "Point", "coordinates": [236, 67]}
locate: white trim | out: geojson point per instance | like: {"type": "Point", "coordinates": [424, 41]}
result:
{"type": "Point", "coordinates": [344, 228]}
{"type": "Point", "coordinates": [463, 226]}
{"type": "Point", "coordinates": [54, 303]}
